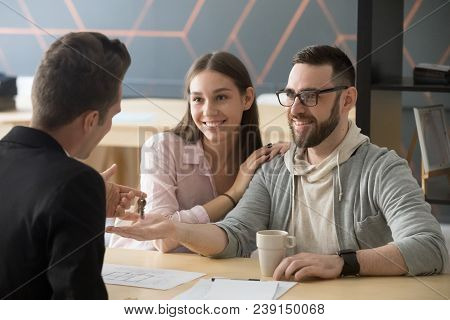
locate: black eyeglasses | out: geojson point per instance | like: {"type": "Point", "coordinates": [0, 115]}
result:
{"type": "Point", "coordinates": [308, 98]}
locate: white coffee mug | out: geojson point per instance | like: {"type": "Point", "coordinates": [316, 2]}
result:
{"type": "Point", "coordinates": [272, 245]}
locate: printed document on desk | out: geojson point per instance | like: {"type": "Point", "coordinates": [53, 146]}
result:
{"type": "Point", "coordinates": [162, 279]}
{"type": "Point", "coordinates": [226, 289]}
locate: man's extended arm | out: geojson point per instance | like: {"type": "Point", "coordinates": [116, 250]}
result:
{"type": "Point", "coordinates": [205, 239]}
{"type": "Point", "coordinates": [233, 236]}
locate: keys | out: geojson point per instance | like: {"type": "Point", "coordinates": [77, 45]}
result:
{"type": "Point", "coordinates": [141, 206]}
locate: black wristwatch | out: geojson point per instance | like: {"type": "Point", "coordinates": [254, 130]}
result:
{"type": "Point", "coordinates": [351, 264]}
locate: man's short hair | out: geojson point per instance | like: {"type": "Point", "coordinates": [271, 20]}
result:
{"type": "Point", "coordinates": [79, 72]}
{"type": "Point", "coordinates": [343, 70]}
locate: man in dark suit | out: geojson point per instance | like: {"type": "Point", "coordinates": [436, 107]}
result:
{"type": "Point", "coordinates": [53, 206]}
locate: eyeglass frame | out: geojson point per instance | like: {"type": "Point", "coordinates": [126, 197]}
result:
{"type": "Point", "coordinates": [317, 92]}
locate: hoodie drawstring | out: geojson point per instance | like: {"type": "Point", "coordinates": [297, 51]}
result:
{"type": "Point", "coordinates": [339, 177]}
{"type": "Point", "coordinates": [293, 221]}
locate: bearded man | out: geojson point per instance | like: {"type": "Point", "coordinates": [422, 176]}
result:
{"type": "Point", "coordinates": [354, 208]}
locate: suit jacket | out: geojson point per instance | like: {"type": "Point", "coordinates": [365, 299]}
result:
{"type": "Point", "coordinates": [52, 216]}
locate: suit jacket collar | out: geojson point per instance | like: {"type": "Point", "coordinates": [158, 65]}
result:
{"type": "Point", "coordinates": [33, 138]}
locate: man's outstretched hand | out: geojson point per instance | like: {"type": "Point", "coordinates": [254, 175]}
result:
{"type": "Point", "coordinates": [118, 198]}
{"type": "Point", "coordinates": [155, 226]}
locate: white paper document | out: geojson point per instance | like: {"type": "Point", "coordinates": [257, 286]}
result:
{"type": "Point", "coordinates": [226, 289]}
{"type": "Point", "coordinates": [162, 279]}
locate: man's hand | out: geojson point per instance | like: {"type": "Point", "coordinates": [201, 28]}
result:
{"type": "Point", "coordinates": [118, 197]}
{"type": "Point", "coordinates": [303, 265]}
{"type": "Point", "coordinates": [155, 226]}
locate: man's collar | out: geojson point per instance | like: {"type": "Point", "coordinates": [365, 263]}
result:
{"type": "Point", "coordinates": [33, 138]}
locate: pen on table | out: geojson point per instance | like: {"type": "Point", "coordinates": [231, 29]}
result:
{"type": "Point", "coordinates": [214, 279]}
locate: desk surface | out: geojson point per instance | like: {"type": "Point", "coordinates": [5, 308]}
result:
{"type": "Point", "coordinates": [430, 287]}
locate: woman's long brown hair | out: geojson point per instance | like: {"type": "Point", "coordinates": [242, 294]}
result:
{"type": "Point", "coordinates": [230, 66]}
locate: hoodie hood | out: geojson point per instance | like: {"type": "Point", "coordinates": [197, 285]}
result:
{"type": "Point", "coordinates": [312, 213]}
{"type": "Point", "coordinates": [297, 165]}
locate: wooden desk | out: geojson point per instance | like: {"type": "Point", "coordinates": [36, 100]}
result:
{"type": "Point", "coordinates": [430, 287]}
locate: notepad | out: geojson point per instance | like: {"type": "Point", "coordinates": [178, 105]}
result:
{"type": "Point", "coordinates": [226, 289]}
{"type": "Point", "coordinates": [162, 279]}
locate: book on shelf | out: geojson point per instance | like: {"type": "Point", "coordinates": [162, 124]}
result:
{"type": "Point", "coordinates": [7, 104]}
{"type": "Point", "coordinates": [427, 73]}
{"type": "Point", "coordinates": [8, 87]}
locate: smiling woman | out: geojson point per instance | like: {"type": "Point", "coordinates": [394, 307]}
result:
{"type": "Point", "coordinates": [217, 106]}
{"type": "Point", "coordinates": [198, 171]}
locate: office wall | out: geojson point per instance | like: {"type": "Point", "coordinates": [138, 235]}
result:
{"type": "Point", "coordinates": [165, 36]}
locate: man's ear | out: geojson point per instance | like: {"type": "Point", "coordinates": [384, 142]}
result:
{"type": "Point", "coordinates": [249, 97]}
{"type": "Point", "coordinates": [349, 97]}
{"type": "Point", "coordinates": [90, 120]}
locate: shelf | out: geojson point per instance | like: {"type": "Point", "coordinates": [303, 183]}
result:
{"type": "Point", "coordinates": [438, 190]}
{"type": "Point", "coordinates": [438, 201]}
{"type": "Point", "coordinates": [407, 84]}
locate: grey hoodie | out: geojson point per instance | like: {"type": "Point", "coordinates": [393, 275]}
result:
{"type": "Point", "coordinates": [380, 203]}
{"type": "Point", "coordinates": [312, 222]}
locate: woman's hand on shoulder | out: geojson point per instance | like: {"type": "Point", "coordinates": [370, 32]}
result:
{"type": "Point", "coordinates": [278, 148]}
{"type": "Point", "coordinates": [249, 166]}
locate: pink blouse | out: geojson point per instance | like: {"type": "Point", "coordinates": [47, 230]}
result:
{"type": "Point", "coordinates": [177, 179]}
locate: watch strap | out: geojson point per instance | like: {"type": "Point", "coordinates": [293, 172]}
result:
{"type": "Point", "coordinates": [351, 264]}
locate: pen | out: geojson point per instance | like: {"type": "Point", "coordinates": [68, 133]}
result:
{"type": "Point", "coordinates": [214, 279]}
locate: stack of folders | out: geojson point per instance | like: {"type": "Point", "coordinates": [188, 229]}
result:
{"type": "Point", "coordinates": [7, 104]}
{"type": "Point", "coordinates": [427, 73]}
{"type": "Point", "coordinates": [8, 90]}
